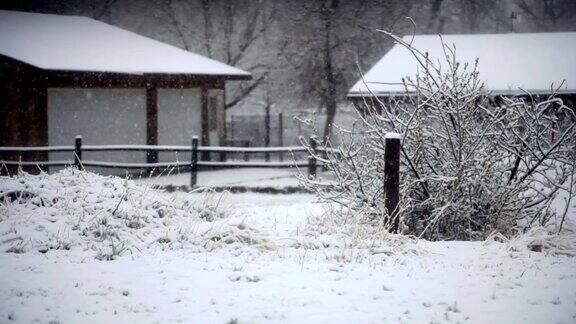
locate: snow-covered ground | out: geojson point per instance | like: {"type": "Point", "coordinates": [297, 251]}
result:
{"type": "Point", "coordinates": [250, 258]}
{"type": "Point", "coordinates": [247, 177]}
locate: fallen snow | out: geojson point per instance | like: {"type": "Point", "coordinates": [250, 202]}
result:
{"type": "Point", "coordinates": [298, 263]}
{"type": "Point", "coordinates": [72, 43]}
{"type": "Point", "coordinates": [248, 177]}
{"type": "Point", "coordinates": [502, 65]}
{"type": "Point", "coordinates": [392, 135]}
{"type": "Point", "coordinates": [109, 216]}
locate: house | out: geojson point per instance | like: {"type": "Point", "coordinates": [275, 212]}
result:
{"type": "Point", "coordinates": [509, 64]}
{"type": "Point", "coordinates": [62, 76]}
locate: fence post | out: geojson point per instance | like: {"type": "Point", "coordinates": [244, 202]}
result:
{"type": "Point", "coordinates": [232, 129]}
{"type": "Point", "coordinates": [78, 152]}
{"type": "Point", "coordinates": [312, 158]}
{"type": "Point", "coordinates": [392, 179]}
{"type": "Point", "coordinates": [267, 131]}
{"type": "Point", "coordinates": [194, 162]}
{"type": "Point", "coordinates": [246, 144]}
{"type": "Point", "coordinates": [281, 135]}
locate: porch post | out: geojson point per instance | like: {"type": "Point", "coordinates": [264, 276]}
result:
{"type": "Point", "coordinates": [204, 156]}
{"type": "Point", "coordinates": [152, 121]}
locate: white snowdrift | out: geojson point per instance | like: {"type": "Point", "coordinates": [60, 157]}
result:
{"type": "Point", "coordinates": [269, 259]}
{"type": "Point", "coordinates": [111, 216]}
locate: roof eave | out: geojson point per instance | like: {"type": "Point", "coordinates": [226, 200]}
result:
{"type": "Point", "coordinates": [518, 92]}
{"type": "Point", "coordinates": [227, 77]}
{"type": "Point", "coordinates": [231, 77]}
{"type": "Point", "coordinates": [237, 77]}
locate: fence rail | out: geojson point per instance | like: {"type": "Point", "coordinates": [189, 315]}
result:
{"type": "Point", "coordinates": [38, 163]}
{"type": "Point", "coordinates": [35, 149]}
{"type": "Point", "coordinates": [159, 148]}
{"type": "Point", "coordinates": [391, 157]}
{"type": "Point", "coordinates": [80, 163]}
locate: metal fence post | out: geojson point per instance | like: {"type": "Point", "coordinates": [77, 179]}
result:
{"type": "Point", "coordinates": [194, 162]}
{"type": "Point", "coordinates": [392, 179]}
{"type": "Point", "coordinates": [312, 158]}
{"type": "Point", "coordinates": [78, 152]}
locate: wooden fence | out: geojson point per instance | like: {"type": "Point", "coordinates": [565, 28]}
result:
{"type": "Point", "coordinates": [194, 149]}
{"type": "Point", "coordinates": [391, 162]}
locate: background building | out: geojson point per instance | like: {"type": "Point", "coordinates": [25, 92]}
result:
{"type": "Point", "coordinates": [62, 76]}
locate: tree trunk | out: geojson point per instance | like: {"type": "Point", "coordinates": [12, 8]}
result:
{"type": "Point", "coordinates": [330, 90]}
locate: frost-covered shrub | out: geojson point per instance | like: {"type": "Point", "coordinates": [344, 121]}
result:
{"type": "Point", "coordinates": [79, 210]}
{"type": "Point", "coordinates": [472, 163]}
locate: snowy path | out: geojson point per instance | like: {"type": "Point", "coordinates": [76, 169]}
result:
{"type": "Point", "coordinates": [449, 282]}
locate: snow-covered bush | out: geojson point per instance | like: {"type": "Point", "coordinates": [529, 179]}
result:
{"type": "Point", "coordinates": [111, 216]}
{"type": "Point", "coordinates": [472, 163]}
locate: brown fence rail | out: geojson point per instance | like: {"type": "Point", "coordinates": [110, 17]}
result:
{"type": "Point", "coordinates": [193, 164]}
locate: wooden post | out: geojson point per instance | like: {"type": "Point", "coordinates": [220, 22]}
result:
{"type": "Point", "coordinates": [312, 158]}
{"type": "Point", "coordinates": [194, 162]}
{"type": "Point", "coordinates": [231, 139]}
{"type": "Point", "coordinates": [280, 135]}
{"type": "Point", "coordinates": [392, 179]}
{"type": "Point", "coordinates": [151, 122]}
{"type": "Point", "coordinates": [78, 152]}
{"type": "Point", "coordinates": [267, 131]}
{"type": "Point", "coordinates": [205, 156]}
{"type": "Point", "coordinates": [246, 144]}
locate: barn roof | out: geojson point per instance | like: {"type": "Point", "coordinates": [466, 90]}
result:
{"type": "Point", "coordinates": [507, 62]}
{"type": "Point", "coordinates": [72, 43]}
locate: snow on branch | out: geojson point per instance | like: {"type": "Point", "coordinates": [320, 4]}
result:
{"type": "Point", "coordinates": [472, 163]}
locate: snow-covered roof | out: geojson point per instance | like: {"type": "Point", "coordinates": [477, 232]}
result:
{"type": "Point", "coordinates": [72, 43]}
{"type": "Point", "coordinates": [507, 62]}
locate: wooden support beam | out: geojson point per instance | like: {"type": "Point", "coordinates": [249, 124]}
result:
{"type": "Point", "coordinates": [204, 121]}
{"type": "Point", "coordinates": [152, 121]}
{"type": "Point", "coordinates": [267, 130]}
{"type": "Point", "coordinates": [281, 135]}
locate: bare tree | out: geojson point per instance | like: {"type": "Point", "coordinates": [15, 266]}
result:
{"type": "Point", "coordinates": [328, 96]}
{"type": "Point", "coordinates": [207, 26]}
{"type": "Point", "coordinates": [329, 37]}
{"type": "Point", "coordinates": [232, 31]}
{"type": "Point", "coordinates": [550, 15]}
{"type": "Point", "coordinates": [435, 11]}
{"type": "Point", "coordinates": [473, 12]}
{"type": "Point", "coordinates": [102, 10]}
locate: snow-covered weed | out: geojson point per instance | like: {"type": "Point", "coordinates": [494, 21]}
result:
{"type": "Point", "coordinates": [109, 215]}
{"type": "Point", "coordinates": [347, 236]}
{"type": "Point", "coordinates": [213, 206]}
{"type": "Point", "coordinates": [111, 251]}
{"type": "Point", "coordinates": [540, 239]}
{"type": "Point", "coordinates": [229, 234]}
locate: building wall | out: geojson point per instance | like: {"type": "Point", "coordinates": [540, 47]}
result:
{"type": "Point", "coordinates": [216, 117]}
{"type": "Point", "coordinates": [179, 118]}
{"type": "Point", "coordinates": [39, 108]}
{"type": "Point", "coordinates": [22, 112]}
{"type": "Point", "coordinates": [100, 116]}
{"type": "Point", "coordinates": [118, 116]}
